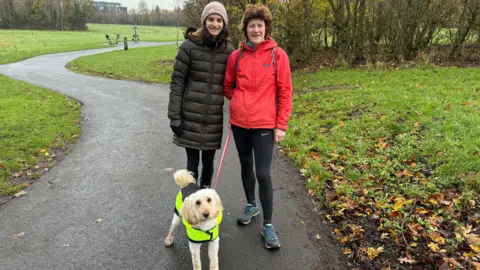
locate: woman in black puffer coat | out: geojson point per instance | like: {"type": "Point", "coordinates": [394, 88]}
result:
{"type": "Point", "coordinates": [195, 108]}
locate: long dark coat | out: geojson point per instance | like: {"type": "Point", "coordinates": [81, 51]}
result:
{"type": "Point", "coordinates": [196, 92]}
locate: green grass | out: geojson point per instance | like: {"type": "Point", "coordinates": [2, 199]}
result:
{"type": "Point", "coordinates": [397, 147]}
{"type": "Point", "coordinates": [153, 64]}
{"type": "Point", "coordinates": [17, 45]}
{"type": "Point", "coordinates": [35, 125]}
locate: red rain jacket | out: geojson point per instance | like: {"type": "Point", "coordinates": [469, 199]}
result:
{"type": "Point", "coordinates": [251, 89]}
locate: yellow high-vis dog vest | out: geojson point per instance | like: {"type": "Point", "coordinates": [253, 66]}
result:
{"type": "Point", "coordinates": [195, 235]}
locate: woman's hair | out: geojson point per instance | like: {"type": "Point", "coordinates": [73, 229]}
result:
{"type": "Point", "coordinates": [222, 37]}
{"type": "Point", "coordinates": [260, 12]}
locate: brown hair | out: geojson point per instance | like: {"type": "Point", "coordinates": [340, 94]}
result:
{"type": "Point", "coordinates": [260, 12]}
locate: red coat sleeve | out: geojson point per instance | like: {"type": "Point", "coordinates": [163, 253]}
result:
{"type": "Point", "coordinates": [230, 76]}
{"type": "Point", "coordinates": [284, 88]}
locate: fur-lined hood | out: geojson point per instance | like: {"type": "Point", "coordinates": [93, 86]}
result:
{"type": "Point", "coordinates": [194, 35]}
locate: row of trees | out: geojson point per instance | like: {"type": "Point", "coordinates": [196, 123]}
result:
{"type": "Point", "coordinates": [74, 14]}
{"type": "Point", "coordinates": [45, 14]}
{"type": "Point", "coordinates": [140, 16]}
{"type": "Point", "coordinates": [363, 30]}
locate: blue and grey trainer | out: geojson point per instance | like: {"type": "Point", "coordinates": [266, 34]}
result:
{"type": "Point", "coordinates": [270, 237]}
{"type": "Point", "coordinates": [248, 213]}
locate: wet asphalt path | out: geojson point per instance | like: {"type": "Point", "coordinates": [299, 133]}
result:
{"type": "Point", "coordinates": [118, 171]}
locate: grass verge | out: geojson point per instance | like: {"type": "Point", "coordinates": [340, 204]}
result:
{"type": "Point", "coordinates": [36, 127]}
{"type": "Point", "coordinates": [16, 45]}
{"type": "Point", "coordinates": [152, 64]}
{"type": "Point", "coordinates": [394, 157]}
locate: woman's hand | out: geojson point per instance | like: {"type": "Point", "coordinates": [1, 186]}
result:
{"type": "Point", "coordinates": [279, 135]}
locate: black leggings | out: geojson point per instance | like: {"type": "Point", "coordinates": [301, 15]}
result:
{"type": "Point", "coordinates": [261, 142]}
{"type": "Point", "coordinates": [193, 160]}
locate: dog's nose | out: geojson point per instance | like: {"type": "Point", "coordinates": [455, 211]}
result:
{"type": "Point", "coordinates": [206, 214]}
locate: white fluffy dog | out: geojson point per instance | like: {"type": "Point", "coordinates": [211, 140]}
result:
{"type": "Point", "coordinates": [200, 210]}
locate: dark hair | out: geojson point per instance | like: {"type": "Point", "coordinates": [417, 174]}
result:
{"type": "Point", "coordinates": [260, 12]}
{"type": "Point", "coordinates": [221, 39]}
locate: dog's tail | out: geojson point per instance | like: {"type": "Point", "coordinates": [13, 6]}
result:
{"type": "Point", "coordinates": [183, 178]}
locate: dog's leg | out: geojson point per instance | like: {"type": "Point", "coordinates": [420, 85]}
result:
{"type": "Point", "coordinates": [195, 251]}
{"type": "Point", "coordinates": [175, 222]}
{"type": "Point", "coordinates": [213, 247]}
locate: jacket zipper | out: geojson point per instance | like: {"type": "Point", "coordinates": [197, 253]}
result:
{"type": "Point", "coordinates": [254, 87]}
{"type": "Point", "coordinates": [209, 93]}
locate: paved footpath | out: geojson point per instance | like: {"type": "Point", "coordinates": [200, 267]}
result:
{"type": "Point", "coordinates": [118, 171]}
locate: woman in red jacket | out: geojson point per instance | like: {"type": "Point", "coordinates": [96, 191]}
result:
{"type": "Point", "coordinates": [259, 87]}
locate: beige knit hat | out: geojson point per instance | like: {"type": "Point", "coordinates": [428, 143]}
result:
{"type": "Point", "coordinates": [214, 8]}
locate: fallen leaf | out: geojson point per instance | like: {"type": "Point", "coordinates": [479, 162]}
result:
{"type": "Point", "coordinates": [384, 236]}
{"type": "Point", "coordinates": [406, 260]}
{"type": "Point", "coordinates": [43, 150]}
{"type": "Point", "coordinates": [474, 153]}
{"type": "Point", "coordinates": [301, 222]}
{"type": "Point", "coordinates": [453, 262]}
{"type": "Point", "coordinates": [472, 203]}
{"type": "Point", "coordinates": [169, 169]}
{"type": "Point", "coordinates": [394, 214]}
{"type": "Point", "coordinates": [434, 247]}
{"type": "Point", "coordinates": [332, 166]}
{"type": "Point", "coordinates": [372, 253]}
{"type": "Point", "coordinates": [317, 236]}
{"type": "Point", "coordinates": [99, 220]}
{"type": "Point", "coordinates": [477, 265]}
{"type": "Point", "coordinates": [17, 174]}
{"type": "Point", "coordinates": [20, 193]}
{"type": "Point", "coordinates": [19, 235]}
{"type": "Point", "coordinates": [435, 236]}
{"type": "Point", "coordinates": [347, 251]}
{"type": "Point", "coordinates": [1, 166]}
{"type": "Point", "coordinates": [465, 103]}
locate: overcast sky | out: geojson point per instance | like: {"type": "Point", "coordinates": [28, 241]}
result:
{"type": "Point", "coordinates": [163, 4]}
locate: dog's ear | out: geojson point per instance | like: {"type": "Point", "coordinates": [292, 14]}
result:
{"type": "Point", "coordinates": [188, 211]}
{"type": "Point", "coordinates": [218, 202]}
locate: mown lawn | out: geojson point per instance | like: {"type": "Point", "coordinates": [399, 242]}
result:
{"type": "Point", "coordinates": [17, 45]}
{"type": "Point", "coordinates": [153, 64]}
{"type": "Point", "coordinates": [394, 155]}
{"type": "Point", "coordinates": [36, 126]}
{"type": "Point", "coordinates": [391, 155]}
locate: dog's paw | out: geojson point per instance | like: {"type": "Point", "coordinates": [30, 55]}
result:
{"type": "Point", "coordinates": [169, 241]}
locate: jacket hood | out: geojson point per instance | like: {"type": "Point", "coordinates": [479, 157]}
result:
{"type": "Point", "coordinates": [266, 45]}
{"type": "Point", "coordinates": [194, 35]}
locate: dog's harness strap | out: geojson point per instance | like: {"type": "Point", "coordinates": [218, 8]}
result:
{"type": "Point", "coordinates": [209, 232]}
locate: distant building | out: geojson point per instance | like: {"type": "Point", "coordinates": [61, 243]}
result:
{"type": "Point", "coordinates": [102, 6]}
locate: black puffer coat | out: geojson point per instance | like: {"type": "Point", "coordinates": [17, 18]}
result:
{"type": "Point", "coordinates": [196, 92]}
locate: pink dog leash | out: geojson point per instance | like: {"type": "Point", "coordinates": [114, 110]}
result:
{"type": "Point", "coordinates": [223, 157]}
